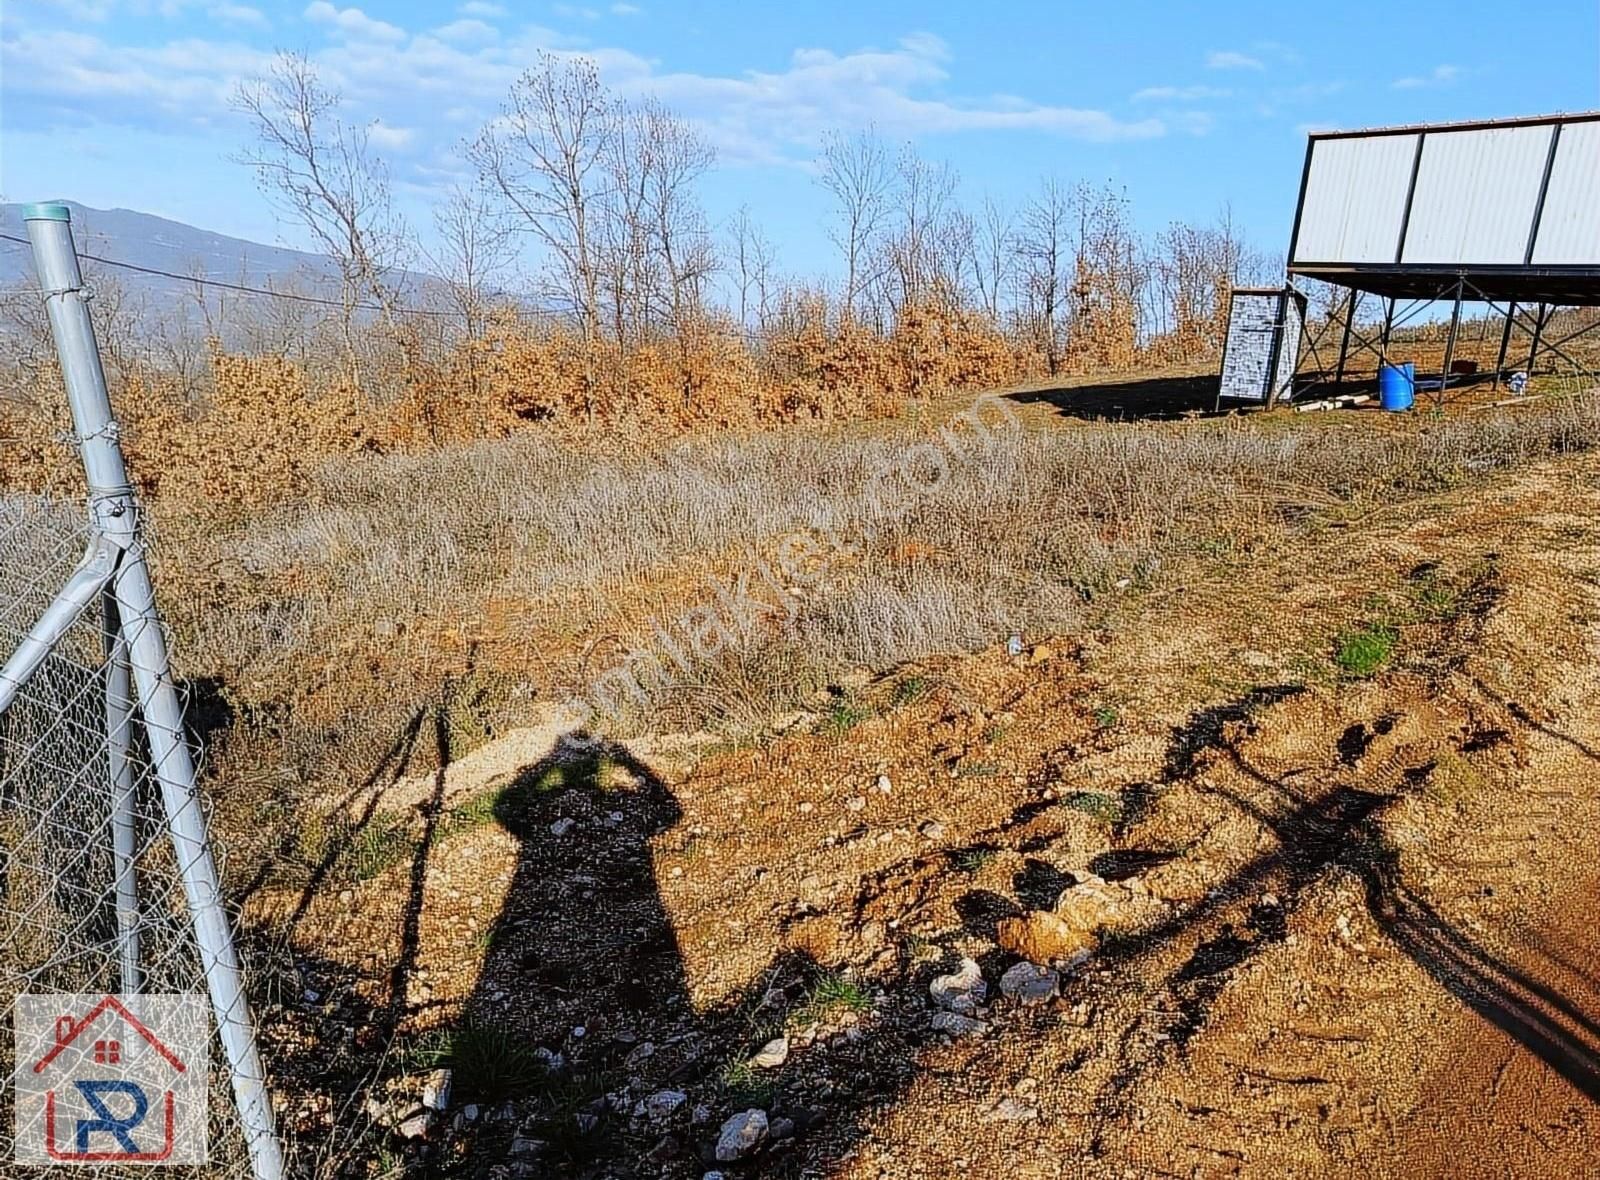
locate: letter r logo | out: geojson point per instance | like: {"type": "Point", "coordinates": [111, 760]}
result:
{"type": "Point", "coordinates": [106, 1122]}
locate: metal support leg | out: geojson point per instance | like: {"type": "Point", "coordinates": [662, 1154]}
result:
{"type": "Point", "coordinates": [124, 826]}
{"type": "Point", "coordinates": [1450, 346]}
{"type": "Point", "coordinates": [1538, 331]}
{"type": "Point", "coordinates": [115, 512]}
{"type": "Point", "coordinates": [88, 580]}
{"type": "Point", "coordinates": [1505, 343]}
{"type": "Point", "coordinates": [1388, 326]}
{"type": "Point", "coordinates": [1344, 343]}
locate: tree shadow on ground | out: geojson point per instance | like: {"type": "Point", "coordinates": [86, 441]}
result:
{"type": "Point", "coordinates": [1339, 828]}
{"type": "Point", "coordinates": [1129, 399]}
{"type": "Point", "coordinates": [1343, 827]}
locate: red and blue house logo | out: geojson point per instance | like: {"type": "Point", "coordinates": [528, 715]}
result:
{"type": "Point", "coordinates": [112, 1081]}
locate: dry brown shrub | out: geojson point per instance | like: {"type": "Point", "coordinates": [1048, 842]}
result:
{"type": "Point", "coordinates": [34, 438]}
{"type": "Point", "coordinates": [257, 437]}
{"type": "Point", "coordinates": [254, 427]}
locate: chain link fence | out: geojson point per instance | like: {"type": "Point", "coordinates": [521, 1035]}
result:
{"type": "Point", "coordinates": [62, 858]}
{"type": "Point", "coordinates": [108, 885]}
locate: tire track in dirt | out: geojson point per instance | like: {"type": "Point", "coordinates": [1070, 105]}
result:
{"type": "Point", "coordinates": [1517, 1088]}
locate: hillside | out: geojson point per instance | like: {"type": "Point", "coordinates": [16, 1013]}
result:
{"type": "Point", "coordinates": [160, 244]}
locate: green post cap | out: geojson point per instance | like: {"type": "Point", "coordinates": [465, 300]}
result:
{"type": "Point", "coordinates": [48, 211]}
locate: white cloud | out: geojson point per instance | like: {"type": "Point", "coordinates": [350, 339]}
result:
{"type": "Point", "coordinates": [238, 14]}
{"type": "Point", "coordinates": [81, 77]}
{"type": "Point", "coordinates": [575, 11]}
{"type": "Point", "coordinates": [482, 8]}
{"type": "Point", "coordinates": [1179, 93]}
{"type": "Point", "coordinates": [467, 30]}
{"type": "Point", "coordinates": [388, 138]}
{"type": "Point", "coordinates": [353, 22]}
{"type": "Point", "coordinates": [770, 117]}
{"type": "Point", "coordinates": [1232, 59]}
{"type": "Point", "coordinates": [88, 11]}
{"type": "Point", "coordinates": [1287, 54]}
{"type": "Point", "coordinates": [626, 10]}
{"type": "Point", "coordinates": [1438, 76]}
{"type": "Point", "coordinates": [97, 11]}
{"type": "Point", "coordinates": [431, 87]}
{"type": "Point", "coordinates": [1194, 122]}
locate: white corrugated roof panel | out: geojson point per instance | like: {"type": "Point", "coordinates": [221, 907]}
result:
{"type": "Point", "coordinates": [1355, 199]}
{"type": "Point", "coordinates": [1475, 196]}
{"type": "Point", "coordinates": [1569, 229]}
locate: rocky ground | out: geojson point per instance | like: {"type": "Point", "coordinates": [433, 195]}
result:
{"type": "Point", "coordinates": [1284, 869]}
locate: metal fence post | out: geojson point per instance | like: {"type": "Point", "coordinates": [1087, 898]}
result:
{"type": "Point", "coordinates": [124, 829]}
{"type": "Point", "coordinates": [115, 515]}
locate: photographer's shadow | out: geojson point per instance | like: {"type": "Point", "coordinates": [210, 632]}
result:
{"type": "Point", "coordinates": [582, 941]}
{"type": "Point", "coordinates": [582, 1010]}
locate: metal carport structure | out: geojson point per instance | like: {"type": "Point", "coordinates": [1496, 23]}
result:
{"type": "Point", "coordinates": [1501, 212]}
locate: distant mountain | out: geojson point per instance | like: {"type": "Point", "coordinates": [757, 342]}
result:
{"type": "Point", "coordinates": [156, 243]}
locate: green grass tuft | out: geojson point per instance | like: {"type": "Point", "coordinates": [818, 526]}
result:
{"type": "Point", "coordinates": [830, 996]}
{"type": "Point", "coordinates": [972, 860]}
{"type": "Point", "coordinates": [747, 1085]}
{"type": "Point", "coordinates": [845, 715]}
{"type": "Point", "coordinates": [1362, 651]}
{"type": "Point", "coordinates": [1097, 805]}
{"type": "Point", "coordinates": [489, 1062]}
{"type": "Point", "coordinates": [912, 689]}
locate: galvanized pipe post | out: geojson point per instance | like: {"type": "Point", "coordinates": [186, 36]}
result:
{"type": "Point", "coordinates": [114, 512]}
{"type": "Point", "coordinates": [124, 823]}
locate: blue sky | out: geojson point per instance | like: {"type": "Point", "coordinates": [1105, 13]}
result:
{"type": "Point", "coordinates": [1189, 107]}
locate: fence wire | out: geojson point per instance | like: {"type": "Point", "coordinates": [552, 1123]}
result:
{"type": "Point", "coordinates": [59, 928]}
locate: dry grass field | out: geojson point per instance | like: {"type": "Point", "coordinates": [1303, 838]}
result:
{"type": "Point", "coordinates": [588, 776]}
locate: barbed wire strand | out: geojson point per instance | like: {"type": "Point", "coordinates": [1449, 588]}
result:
{"type": "Point", "coordinates": [248, 290]}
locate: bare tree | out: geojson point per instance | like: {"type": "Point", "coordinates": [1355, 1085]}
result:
{"type": "Point", "coordinates": [320, 169]}
{"type": "Point", "coordinates": [994, 254]}
{"type": "Point", "coordinates": [545, 157]}
{"type": "Point", "coordinates": [857, 172]}
{"type": "Point", "coordinates": [1193, 269]}
{"type": "Point", "coordinates": [629, 277]}
{"type": "Point", "coordinates": [673, 156]}
{"type": "Point", "coordinates": [750, 254]}
{"type": "Point", "coordinates": [1042, 255]}
{"type": "Point", "coordinates": [919, 256]}
{"type": "Point", "coordinates": [474, 246]}
{"type": "Point", "coordinates": [1107, 277]}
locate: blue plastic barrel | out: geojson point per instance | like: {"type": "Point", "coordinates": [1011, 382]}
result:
{"type": "Point", "coordinates": [1397, 386]}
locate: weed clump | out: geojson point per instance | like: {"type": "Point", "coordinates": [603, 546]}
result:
{"type": "Point", "coordinates": [844, 715]}
{"type": "Point", "coordinates": [489, 1062]}
{"type": "Point", "coordinates": [1107, 809]}
{"type": "Point", "coordinates": [829, 997]}
{"type": "Point", "coordinates": [1362, 651]}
